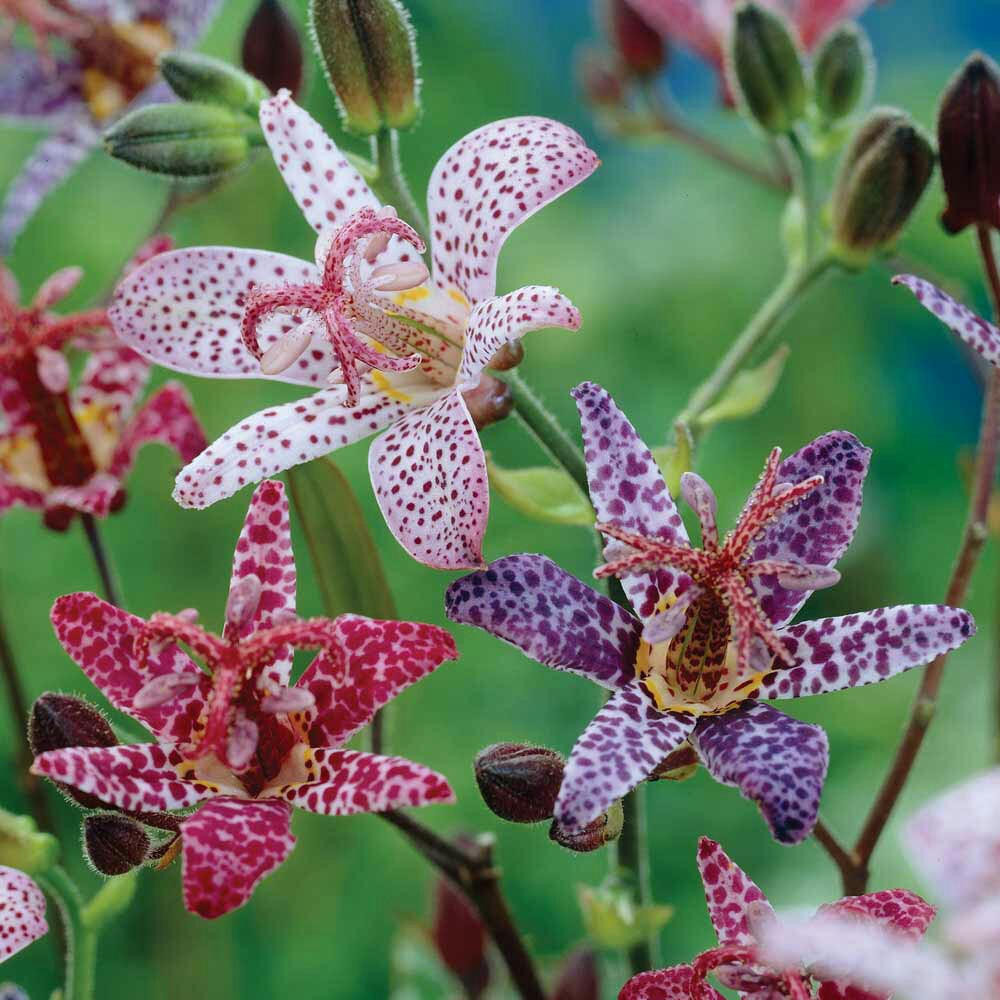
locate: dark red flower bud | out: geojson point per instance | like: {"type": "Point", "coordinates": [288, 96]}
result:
{"type": "Point", "coordinates": [642, 50]}
{"type": "Point", "coordinates": [460, 938]}
{"type": "Point", "coordinates": [519, 783]}
{"type": "Point", "coordinates": [969, 145]}
{"type": "Point", "coordinates": [114, 844]}
{"type": "Point", "coordinates": [58, 518]}
{"type": "Point", "coordinates": [509, 356]}
{"type": "Point", "coordinates": [490, 402]}
{"type": "Point", "coordinates": [600, 78]}
{"type": "Point", "coordinates": [579, 978]}
{"type": "Point", "coordinates": [272, 49]}
{"type": "Point", "coordinates": [606, 828]}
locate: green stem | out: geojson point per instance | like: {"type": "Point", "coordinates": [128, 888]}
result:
{"type": "Point", "coordinates": [102, 561]}
{"type": "Point", "coordinates": [804, 183]}
{"type": "Point", "coordinates": [633, 854]}
{"type": "Point", "coordinates": [81, 938]}
{"type": "Point", "coordinates": [392, 181]}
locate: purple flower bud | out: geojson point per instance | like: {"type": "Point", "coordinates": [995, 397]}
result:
{"type": "Point", "coordinates": [272, 49]}
{"type": "Point", "coordinates": [641, 49]}
{"type": "Point", "coordinates": [460, 938]}
{"type": "Point", "coordinates": [114, 844]}
{"type": "Point", "coordinates": [606, 828]}
{"type": "Point", "coordinates": [519, 783]}
{"type": "Point", "coordinates": [579, 978]}
{"type": "Point", "coordinates": [969, 145]}
{"type": "Point", "coordinates": [490, 402]}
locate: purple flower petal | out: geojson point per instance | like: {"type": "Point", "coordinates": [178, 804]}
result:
{"type": "Point", "coordinates": [34, 91]}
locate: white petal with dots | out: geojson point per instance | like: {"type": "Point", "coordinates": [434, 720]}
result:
{"type": "Point", "coordinates": [22, 912]}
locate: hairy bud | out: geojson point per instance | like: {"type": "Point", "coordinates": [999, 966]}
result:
{"type": "Point", "coordinates": [842, 72]}
{"type": "Point", "coordinates": [194, 77]}
{"type": "Point", "coordinates": [640, 49]}
{"type": "Point", "coordinates": [519, 783]}
{"type": "Point", "coordinates": [969, 145]}
{"type": "Point", "coordinates": [766, 68]}
{"type": "Point", "coordinates": [368, 52]}
{"type": "Point", "coordinates": [24, 846]}
{"type": "Point", "coordinates": [490, 402]}
{"type": "Point", "coordinates": [883, 174]}
{"type": "Point", "coordinates": [579, 978]}
{"type": "Point", "coordinates": [114, 844]}
{"type": "Point", "coordinates": [459, 938]}
{"type": "Point", "coordinates": [272, 49]}
{"type": "Point", "coordinates": [600, 78]}
{"type": "Point", "coordinates": [603, 830]}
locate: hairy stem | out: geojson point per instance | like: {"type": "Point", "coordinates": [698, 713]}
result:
{"type": "Point", "coordinates": [473, 871]}
{"type": "Point", "coordinates": [81, 938]}
{"type": "Point", "coordinates": [392, 181]}
{"type": "Point", "coordinates": [102, 561]}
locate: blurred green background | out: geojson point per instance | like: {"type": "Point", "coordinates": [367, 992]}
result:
{"type": "Point", "coordinates": [666, 256]}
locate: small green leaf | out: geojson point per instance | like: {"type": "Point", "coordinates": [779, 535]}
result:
{"type": "Point", "coordinates": [544, 493]}
{"type": "Point", "coordinates": [748, 392]}
{"type": "Point", "coordinates": [613, 920]}
{"type": "Point", "coordinates": [111, 900]}
{"type": "Point", "coordinates": [347, 564]}
{"type": "Point", "coordinates": [676, 459]}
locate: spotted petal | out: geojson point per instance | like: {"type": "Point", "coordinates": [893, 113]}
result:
{"type": "Point", "coordinates": [22, 912]}
{"type": "Point", "coordinates": [13, 495]}
{"type": "Point", "coordinates": [621, 746]}
{"type": "Point", "coordinates": [376, 660]}
{"type": "Point", "coordinates": [551, 616]}
{"type": "Point", "coordinates": [627, 489]}
{"type": "Point", "coordinates": [141, 777]}
{"type": "Point", "coordinates": [429, 475]}
{"type": "Point", "coordinates": [183, 310]}
{"type": "Point", "coordinates": [110, 385]}
{"type": "Point", "coordinates": [99, 638]}
{"type": "Point", "coordinates": [729, 891]}
{"type": "Point", "coordinates": [97, 496]}
{"type": "Point", "coordinates": [487, 184]}
{"type": "Point", "coordinates": [36, 90]}
{"type": "Point", "coordinates": [687, 22]}
{"type": "Point", "coordinates": [831, 654]}
{"type": "Point", "coordinates": [775, 761]}
{"type": "Point", "coordinates": [229, 846]}
{"type": "Point", "coordinates": [818, 529]}
{"type": "Point", "coordinates": [675, 983]}
{"type": "Point", "coordinates": [187, 20]}
{"type": "Point", "coordinates": [349, 782]}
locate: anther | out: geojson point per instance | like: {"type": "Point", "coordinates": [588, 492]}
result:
{"type": "Point", "coordinates": [283, 353]}
{"type": "Point", "coordinates": [399, 277]}
{"type": "Point", "coordinates": [53, 369]}
{"type": "Point", "coordinates": [161, 689]}
{"type": "Point", "coordinates": [244, 599]}
{"type": "Point", "coordinates": [378, 243]}
{"type": "Point", "coordinates": [242, 742]}
{"type": "Point", "coordinates": [665, 626]}
{"type": "Point", "coordinates": [284, 701]}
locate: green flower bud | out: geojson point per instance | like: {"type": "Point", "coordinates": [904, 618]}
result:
{"type": "Point", "coordinates": [183, 140]}
{"type": "Point", "coordinates": [23, 846]}
{"type": "Point", "coordinates": [766, 68]}
{"type": "Point", "coordinates": [369, 55]}
{"type": "Point", "coordinates": [842, 72]}
{"type": "Point", "coordinates": [883, 174]}
{"type": "Point", "coordinates": [194, 77]}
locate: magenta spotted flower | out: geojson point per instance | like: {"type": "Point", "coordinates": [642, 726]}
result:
{"type": "Point", "coordinates": [22, 912]}
{"type": "Point", "coordinates": [711, 636]}
{"type": "Point", "coordinates": [237, 737]}
{"type": "Point", "coordinates": [421, 343]}
{"type": "Point", "coordinates": [66, 450]}
{"type": "Point", "coordinates": [745, 923]}
{"type": "Point", "coordinates": [104, 64]}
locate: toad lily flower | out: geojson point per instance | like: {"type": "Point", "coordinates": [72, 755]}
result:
{"type": "Point", "coordinates": [67, 451]}
{"type": "Point", "coordinates": [229, 313]}
{"type": "Point", "coordinates": [22, 912]}
{"type": "Point", "coordinates": [109, 66]}
{"type": "Point", "coordinates": [712, 635]}
{"type": "Point", "coordinates": [238, 736]}
{"type": "Point", "coordinates": [742, 917]}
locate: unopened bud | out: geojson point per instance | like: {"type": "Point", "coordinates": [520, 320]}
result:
{"type": "Point", "coordinates": [459, 938]}
{"type": "Point", "coordinates": [766, 68]}
{"type": "Point", "coordinates": [519, 783]}
{"type": "Point", "coordinates": [114, 844]}
{"type": "Point", "coordinates": [509, 356]}
{"type": "Point", "coordinates": [842, 72]}
{"type": "Point", "coordinates": [183, 140]}
{"type": "Point", "coordinates": [603, 830]}
{"type": "Point", "coordinates": [272, 49]}
{"type": "Point", "coordinates": [679, 765]}
{"type": "Point", "coordinates": [24, 846]}
{"type": "Point", "coordinates": [490, 402]}
{"type": "Point", "coordinates": [641, 49]}
{"type": "Point", "coordinates": [600, 78]}
{"type": "Point", "coordinates": [579, 978]}
{"type": "Point", "coordinates": [368, 52]}
{"type": "Point", "coordinates": [883, 174]}
{"type": "Point", "coordinates": [195, 77]}
{"type": "Point", "coordinates": [969, 145]}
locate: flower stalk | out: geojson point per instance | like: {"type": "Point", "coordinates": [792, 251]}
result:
{"type": "Point", "coordinates": [392, 181]}
{"type": "Point", "coordinates": [81, 935]}
{"type": "Point", "coordinates": [102, 561]}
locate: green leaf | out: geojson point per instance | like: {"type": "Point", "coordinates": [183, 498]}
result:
{"type": "Point", "coordinates": [748, 392]}
{"type": "Point", "coordinates": [612, 918]}
{"type": "Point", "coordinates": [676, 459]}
{"type": "Point", "coordinates": [416, 970]}
{"type": "Point", "coordinates": [544, 493]}
{"type": "Point", "coordinates": [347, 564]}
{"type": "Point", "coordinates": [24, 846]}
{"type": "Point", "coordinates": [111, 900]}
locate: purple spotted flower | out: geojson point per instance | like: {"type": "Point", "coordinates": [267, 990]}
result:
{"type": "Point", "coordinates": [107, 65]}
{"type": "Point", "coordinates": [711, 636]}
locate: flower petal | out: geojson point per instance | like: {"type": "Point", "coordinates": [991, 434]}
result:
{"type": "Point", "coordinates": [327, 188]}
{"type": "Point", "coordinates": [896, 909]}
{"type": "Point", "coordinates": [429, 475]}
{"type": "Point", "coordinates": [675, 983]}
{"type": "Point", "coordinates": [187, 20]}
{"type": "Point", "coordinates": [141, 776]}
{"type": "Point", "coordinates": [97, 496]}
{"type": "Point", "coordinates": [621, 746]}
{"type": "Point", "coordinates": [99, 638]}
{"type": "Point", "coordinates": [551, 616]}
{"type": "Point", "coordinates": [110, 385]}
{"type": "Point", "coordinates": [229, 846]}
{"type": "Point", "coordinates": [349, 782]}
{"type": "Point", "coordinates": [33, 90]}
{"type": "Point", "coordinates": [775, 761]}
{"type": "Point", "coordinates": [487, 184]}
{"type": "Point", "coordinates": [818, 529]}
{"type": "Point", "coordinates": [497, 321]}
{"type": "Point", "coordinates": [275, 439]}
{"type": "Point", "coordinates": [51, 162]}
{"type": "Point", "coordinates": [183, 310]}
{"type": "Point", "coordinates": [13, 494]}
{"type": "Point", "coordinates": [167, 418]}
{"type": "Point", "coordinates": [687, 22]}
{"type": "Point", "coordinates": [627, 489]}
{"type": "Point", "coordinates": [729, 891]}
{"type": "Point", "coordinates": [22, 912]}
{"type": "Point", "coordinates": [814, 18]}
{"type": "Point", "coordinates": [831, 654]}
{"type": "Point", "coordinates": [377, 660]}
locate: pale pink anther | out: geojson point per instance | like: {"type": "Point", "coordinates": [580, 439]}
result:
{"type": "Point", "coordinates": [665, 626]}
{"type": "Point", "coordinates": [380, 242]}
{"type": "Point", "coordinates": [53, 369]}
{"type": "Point", "coordinates": [244, 599]}
{"type": "Point", "coordinates": [287, 700]}
{"type": "Point", "coordinates": [241, 743]}
{"type": "Point", "coordinates": [188, 615]}
{"type": "Point", "coordinates": [162, 689]}
{"type": "Point", "coordinates": [56, 287]}
{"type": "Point", "coordinates": [699, 496]}
{"type": "Point", "coordinates": [400, 277]}
{"type": "Point", "coordinates": [805, 577]}
{"type": "Point", "coordinates": [282, 354]}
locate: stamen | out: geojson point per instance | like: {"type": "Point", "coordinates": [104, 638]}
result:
{"type": "Point", "coordinates": [57, 287]}
{"type": "Point", "coordinates": [378, 243]}
{"type": "Point", "coordinates": [793, 576]}
{"type": "Point", "coordinates": [698, 495]}
{"type": "Point", "coordinates": [241, 744]}
{"type": "Point", "coordinates": [161, 689]}
{"type": "Point", "coordinates": [400, 277]}
{"type": "Point", "coordinates": [244, 599]}
{"type": "Point", "coordinates": [287, 700]}
{"type": "Point", "coordinates": [760, 917]}
{"type": "Point", "coordinates": [53, 369]}
{"type": "Point", "coordinates": [665, 626]}
{"type": "Point", "coordinates": [283, 353]}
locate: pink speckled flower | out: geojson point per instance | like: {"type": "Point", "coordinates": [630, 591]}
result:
{"type": "Point", "coordinates": [742, 917]}
{"type": "Point", "coordinates": [238, 736]}
{"type": "Point", "coordinates": [66, 451]}
{"type": "Point", "coordinates": [229, 313]}
{"type": "Point", "coordinates": [713, 634]}
{"type": "Point", "coordinates": [22, 912]}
